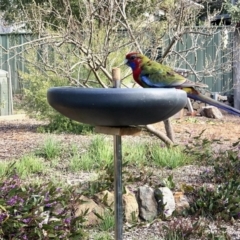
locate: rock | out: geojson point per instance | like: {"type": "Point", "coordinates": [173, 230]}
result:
{"type": "Point", "coordinates": [107, 198]}
{"type": "Point", "coordinates": [181, 202]}
{"type": "Point", "coordinates": [196, 105]}
{"type": "Point", "coordinates": [211, 112]}
{"type": "Point", "coordinates": [201, 106]}
{"type": "Point", "coordinates": [147, 203]}
{"type": "Point", "coordinates": [92, 207]}
{"type": "Point", "coordinates": [165, 200]}
{"type": "Point", "coordinates": [130, 206]}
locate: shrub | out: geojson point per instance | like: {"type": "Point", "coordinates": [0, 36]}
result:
{"type": "Point", "coordinates": [221, 201]}
{"type": "Point", "coordinates": [38, 211]}
{"type": "Point", "coordinates": [36, 85]}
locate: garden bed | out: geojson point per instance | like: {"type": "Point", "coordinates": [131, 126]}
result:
{"type": "Point", "coordinates": [19, 137]}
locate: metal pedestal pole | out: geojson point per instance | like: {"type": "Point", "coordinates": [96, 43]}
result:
{"type": "Point", "coordinates": [118, 187]}
{"type": "Point", "coordinates": [117, 132]}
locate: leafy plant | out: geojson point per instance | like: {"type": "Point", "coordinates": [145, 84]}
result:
{"type": "Point", "coordinates": [184, 229]}
{"type": "Point", "coordinates": [201, 149]}
{"type": "Point", "coordinates": [60, 123]}
{"type": "Point", "coordinates": [31, 211]}
{"type": "Point", "coordinates": [36, 84]}
{"type": "Point", "coordinates": [232, 9]}
{"type": "Point", "coordinates": [223, 201]}
{"type": "Point", "coordinates": [168, 182]}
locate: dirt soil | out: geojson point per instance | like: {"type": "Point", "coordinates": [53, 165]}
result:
{"type": "Point", "coordinates": [19, 136]}
{"type": "Point", "coordinates": [227, 128]}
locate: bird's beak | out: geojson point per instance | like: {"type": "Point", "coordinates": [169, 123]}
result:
{"type": "Point", "coordinates": [126, 61]}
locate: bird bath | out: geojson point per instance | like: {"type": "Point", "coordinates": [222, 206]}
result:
{"type": "Point", "coordinates": [112, 110]}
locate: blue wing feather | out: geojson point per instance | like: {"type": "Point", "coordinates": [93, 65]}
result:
{"type": "Point", "coordinates": [146, 81]}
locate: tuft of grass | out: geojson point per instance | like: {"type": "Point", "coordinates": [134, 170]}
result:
{"type": "Point", "coordinates": [25, 166]}
{"type": "Point", "coordinates": [152, 153]}
{"type": "Point", "coordinates": [107, 221]}
{"type": "Point", "coordinates": [168, 157]}
{"type": "Point", "coordinates": [29, 164]}
{"type": "Point", "coordinates": [100, 153]}
{"type": "Point", "coordinates": [135, 153]}
{"type": "Point", "coordinates": [76, 163]}
{"type": "Point", "coordinates": [103, 236]}
{"type": "Point", "coordinates": [50, 149]}
{"type": "Point", "coordinates": [4, 165]}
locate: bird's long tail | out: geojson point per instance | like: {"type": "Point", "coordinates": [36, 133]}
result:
{"type": "Point", "coordinates": [214, 103]}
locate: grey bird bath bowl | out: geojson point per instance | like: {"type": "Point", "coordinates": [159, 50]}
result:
{"type": "Point", "coordinates": [116, 107]}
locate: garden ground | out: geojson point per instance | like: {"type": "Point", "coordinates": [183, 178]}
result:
{"type": "Point", "coordinates": [20, 136]}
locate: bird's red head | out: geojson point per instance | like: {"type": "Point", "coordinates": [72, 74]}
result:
{"type": "Point", "coordinates": [134, 60]}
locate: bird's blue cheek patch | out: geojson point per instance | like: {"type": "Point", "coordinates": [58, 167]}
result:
{"type": "Point", "coordinates": [132, 65]}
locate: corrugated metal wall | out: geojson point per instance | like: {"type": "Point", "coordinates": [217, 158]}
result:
{"type": "Point", "coordinates": [209, 56]}
{"type": "Point", "coordinates": [206, 51]}
{"type": "Point", "coordinates": [13, 61]}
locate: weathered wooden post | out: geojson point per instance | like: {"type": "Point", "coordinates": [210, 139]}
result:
{"type": "Point", "coordinates": [236, 66]}
{"type": "Point", "coordinates": [117, 169]}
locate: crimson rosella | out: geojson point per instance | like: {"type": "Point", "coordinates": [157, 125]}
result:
{"type": "Point", "coordinates": [151, 74]}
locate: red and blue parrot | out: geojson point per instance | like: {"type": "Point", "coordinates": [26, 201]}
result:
{"type": "Point", "coordinates": [151, 74]}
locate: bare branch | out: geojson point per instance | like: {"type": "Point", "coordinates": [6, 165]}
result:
{"type": "Point", "coordinates": [160, 135]}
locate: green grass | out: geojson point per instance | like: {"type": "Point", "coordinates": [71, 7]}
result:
{"type": "Point", "coordinates": [153, 154]}
{"type": "Point", "coordinates": [25, 166]}
{"type": "Point", "coordinates": [168, 157]}
{"type": "Point", "coordinates": [103, 236]}
{"type": "Point", "coordinates": [4, 166]}
{"type": "Point", "coordinates": [135, 152]}
{"type": "Point", "coordinates": [98, 154]}
{"type": "Point", "coordinates": [76, 164]}
{"type": "Point", "coordinates": [50, 149]}
{"type": "Point", "coordinates": [29, 164]}
{"type": "Point", "coordinates": [107, 221]}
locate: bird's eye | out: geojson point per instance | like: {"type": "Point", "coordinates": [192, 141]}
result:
{"type": "Point", "coordinates": [132, 57]}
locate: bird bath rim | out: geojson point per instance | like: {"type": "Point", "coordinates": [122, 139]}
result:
{"type": "Point", "coordinates": [116, 106]}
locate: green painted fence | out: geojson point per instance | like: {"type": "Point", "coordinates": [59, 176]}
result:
{"type": "Point", "coordinates": [13, 61]}
{"type": "Point", "coordinates": [205, 52]}
{"type": "Point", "coordinates": [210, 56]}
